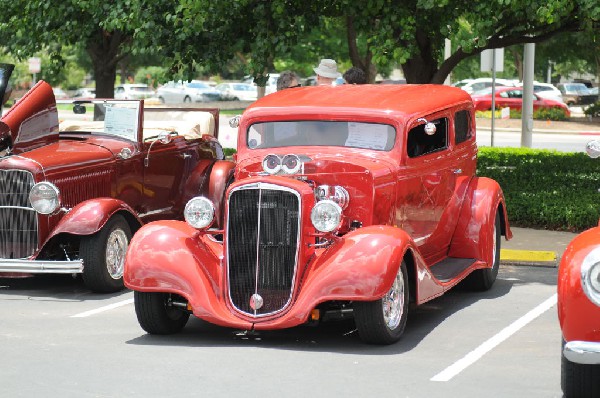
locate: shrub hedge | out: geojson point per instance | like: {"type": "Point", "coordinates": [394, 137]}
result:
{"type": "Point", "coordinates": [545, 189]}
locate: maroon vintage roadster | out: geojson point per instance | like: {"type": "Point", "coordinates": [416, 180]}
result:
{"type": "Point", "coordinates": [77, 179]}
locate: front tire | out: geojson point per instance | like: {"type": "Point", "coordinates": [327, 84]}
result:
{"type": "Point", "coordinates": [483, 279]}
{"type": "Point", "coordinates": [103, 255]}
{"type": "Point", "coordinates": [382, 321]}
{"type": "Point", "coordinates": [577, 380]}
{"type": "Point", "coordinates": [157, 315]}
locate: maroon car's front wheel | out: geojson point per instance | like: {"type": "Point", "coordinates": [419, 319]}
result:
{"type": "Point", "coordinates": [159, 313]}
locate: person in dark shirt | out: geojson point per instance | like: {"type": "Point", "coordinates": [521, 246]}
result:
{"type": "Point", "coordinates": [355, 75]}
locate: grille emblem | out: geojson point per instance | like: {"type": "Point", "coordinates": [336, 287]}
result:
{"type": "Point", "coordinates": [256, 301]}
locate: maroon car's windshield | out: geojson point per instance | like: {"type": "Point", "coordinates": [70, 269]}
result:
{"type": "Point", "coordinates": [375, 136]}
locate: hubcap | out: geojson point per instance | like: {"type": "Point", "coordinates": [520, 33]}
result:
{"type": "Point", "coordinates": [393, 302]}
{"type": "Point", "coordinates": [116, 247]}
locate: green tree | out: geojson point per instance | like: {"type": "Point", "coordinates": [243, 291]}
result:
{"type": "Point", "coordinates": [106, 30]}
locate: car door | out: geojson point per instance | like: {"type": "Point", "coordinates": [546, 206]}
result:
{"type": "Point", "coordinates": [426, 186]}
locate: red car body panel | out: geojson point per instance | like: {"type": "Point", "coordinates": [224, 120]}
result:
{"type": "Point", "coordinates": [579, 318]}
{"type": "Point", "coordinates": [420, 210]}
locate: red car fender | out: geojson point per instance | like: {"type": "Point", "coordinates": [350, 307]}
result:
{"type": "Point", "coordinates": [473, 237]}
{"type": "Point", "coordinates": [220, 177]}
{"type": "Point", "coordinates": [90, 216]}
{"type": "Point", "coordinates": [171, 257]}
{"type": "Point", "coordinates": [579, 318]}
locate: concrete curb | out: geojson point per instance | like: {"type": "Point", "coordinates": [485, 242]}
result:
{"type": "Point", "coordinates": [541, 131]}
{"type": "Point", "coordinates": [529, 257]}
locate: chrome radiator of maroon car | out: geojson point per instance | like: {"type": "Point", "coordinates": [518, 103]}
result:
{"type": "Point", "coordinates": [262, 247]}
{"type": "Point", "coordinates": [18, 221]}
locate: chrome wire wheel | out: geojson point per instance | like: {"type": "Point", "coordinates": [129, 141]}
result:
{"type": "Point", "coordinates": [393, 303]}
{"type": "Point", "coordinates": [116, 247]}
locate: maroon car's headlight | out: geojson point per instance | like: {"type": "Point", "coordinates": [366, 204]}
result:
{"type": "Point", "coordinates": [199, 212]}
{"type": "Point", "coordinates": [590, 276]}
{"type": "Point", "coordinates": [44, 197]}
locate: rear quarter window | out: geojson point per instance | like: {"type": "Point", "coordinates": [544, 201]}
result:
{"type": "Point", "coordinates": [462, 126]}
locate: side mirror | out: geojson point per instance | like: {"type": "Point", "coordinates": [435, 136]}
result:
{"type": "Point", "coordinates": [429, 128]}
{"type": "Point", "coordinates": [234, 122]}
{"type": "Point", "coordinates": [79, 109]}
{"type": "Point", "coordinates": [593, 149]}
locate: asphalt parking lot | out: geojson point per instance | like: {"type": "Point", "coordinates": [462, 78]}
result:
{"type": "Point", "coordinates": [60, 340]}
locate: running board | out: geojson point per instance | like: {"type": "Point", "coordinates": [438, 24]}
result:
{"type": "Point", "coordinates": [450, 268]}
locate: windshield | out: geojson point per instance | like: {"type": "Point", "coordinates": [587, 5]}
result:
{"type": "Point", "coordinates": [375, 136]}
{"type": "Point", "coordinates": [116, 118]}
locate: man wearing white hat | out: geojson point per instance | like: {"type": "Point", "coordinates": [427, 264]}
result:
{"type": "Point", "coordinates": [326, 72]}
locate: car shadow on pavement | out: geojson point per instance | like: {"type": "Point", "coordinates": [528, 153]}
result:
{"type": "Point", "coordinates": [52, 287]}
{"type": "Point", "coordinates": [338, 337]}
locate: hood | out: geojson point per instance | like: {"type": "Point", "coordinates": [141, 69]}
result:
{"type": "Point", "coordinates": [33, 120]}
{"type": "Point", "coordinates": [67, 154]}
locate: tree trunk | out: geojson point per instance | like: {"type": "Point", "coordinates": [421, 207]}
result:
{"type": "Point", "coordinates": [422, 67]}
{"type": "Point", "coordinates": [105, 51]}
{"type": "Point", "coordinates": [363, 63]}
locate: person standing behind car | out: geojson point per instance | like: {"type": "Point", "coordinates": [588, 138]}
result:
{"type": "Point", "coordinates": [287, 79]}
{"type": "Point", "coordinates": [326, 72]}
{"type": "Point", "coordinates": [355, 75]}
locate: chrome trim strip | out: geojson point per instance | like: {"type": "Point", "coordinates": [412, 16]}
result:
{"type": "Point", "coordinates": [583, 352]}
{"type": "Point", "coordinates": [41, 266]}
{"type": "Point", "coordinates": [17, 207]}
{"type": "Point", "coordinates": [157, 211]}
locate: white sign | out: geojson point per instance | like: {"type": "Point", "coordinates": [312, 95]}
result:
{"type": "Point", "coordinates": [505, 113]}
{"type": "Point", "coordinates": [486, 60]}
{"type": "Point", "coordinates": [35, 65]}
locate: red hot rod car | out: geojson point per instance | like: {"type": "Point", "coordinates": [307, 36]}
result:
{"type": "Point", "coordinates": [347, 199]}
{"type": "Point", "coordinates": [76, 183]}
{"type": "Point", "coordinates": [579, 310]}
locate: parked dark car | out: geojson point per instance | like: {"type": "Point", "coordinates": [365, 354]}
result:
{"type": "Point", "coordinates": [77, 183]}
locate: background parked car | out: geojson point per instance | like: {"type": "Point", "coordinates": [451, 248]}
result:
{"type": "Point", "coordinates": [547, 90]}
{"type": "Point", "coordinates": [175, 92]}
{"type": "Point", "coordinates": [85, 93]}
{"type": "Point", "coordinates": [59, 93]}
{"type": "Point", "coordinates": [237, 91]}
{"type": "Point", "coordinates": [576, 94]}
{"type": "Point", "coordinates": [485, 82]}
{"type": "Point", "coordinates": [512, 97]}
{"type": "Point", "coordinates": [271, 85]}
{"type": "Point", "coordinates": [133, 91]}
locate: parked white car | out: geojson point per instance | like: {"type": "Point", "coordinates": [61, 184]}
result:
{"type": "Point", "coordinates": [237, 91]}
{"type": "Point", "coordinates": [134, 91]}
{"type": "Point", "coordinates": [271, 85]}
{"type": "Point", "coordinates": [180, 91]}
{"type": "Point", "coordinates": [548, 91]}
{"type": "Point", "coordinates": [485, 82]}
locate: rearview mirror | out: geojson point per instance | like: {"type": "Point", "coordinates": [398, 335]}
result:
{"type": "Point", "coordinates": [79, 109]}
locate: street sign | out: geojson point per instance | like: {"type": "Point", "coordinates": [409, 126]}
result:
{"type": "Point", "coordinates": [487, 60]}
{"type": "Point", "coordinates": [35, 65]}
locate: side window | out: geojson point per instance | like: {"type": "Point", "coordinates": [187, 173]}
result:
{"type": "Point", "coordinates": [462, 126]}
{"type": "Point", "coordinates": [419, 143]}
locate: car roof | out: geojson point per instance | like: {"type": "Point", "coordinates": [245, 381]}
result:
{"type": "Point", "coordinates": [406, 99]}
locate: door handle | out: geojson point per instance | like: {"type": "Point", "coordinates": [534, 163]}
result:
{"type": "Point", "coordinates": [185, 155]}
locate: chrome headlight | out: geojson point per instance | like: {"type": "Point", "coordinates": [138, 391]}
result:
{"type": "Point", "coordinates": [271, 164]}
{"type": "Point", "coordinates": [590, 276]}
{"type": "Point", "coordinates": [326, 216]}
{"type": "Point", "coordinates": [199, 212]}
{"type": "Point", "coordinates": [44, 197]}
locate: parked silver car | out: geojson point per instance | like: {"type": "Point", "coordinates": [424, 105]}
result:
{"type": "Point", "coordinates": [180, 91]}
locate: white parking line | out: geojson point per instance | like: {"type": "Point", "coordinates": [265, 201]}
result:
{"type": "Point", "coordinates": [102, 309]}
{"type": "Point", "coordinates": [504, 334]}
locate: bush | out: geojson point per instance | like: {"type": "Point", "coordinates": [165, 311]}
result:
{"type": "Point", "coordinates": [593, 110]}
{"type": "Point", "coordinates": [554, 113]}
{"type": "Point", "coordinates": [545, 189]}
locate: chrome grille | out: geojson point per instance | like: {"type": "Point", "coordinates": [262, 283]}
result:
{"type": "Point", "coordinates": [262, 243]}
{"type": "Point", "coordinates": [18, 221]}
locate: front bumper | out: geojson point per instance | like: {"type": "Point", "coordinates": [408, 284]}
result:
{"type": "Point", "coordinates": [41, 266]}
{"type": "Point", "coordinates": [582, 352]}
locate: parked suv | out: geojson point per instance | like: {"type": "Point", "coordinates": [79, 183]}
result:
{"type": "Point", "coordinates": [347, 200]}
{"type": "Point", "coordinates": [576, 94]}
{"type": "Point", "coordinates": [75, 184]}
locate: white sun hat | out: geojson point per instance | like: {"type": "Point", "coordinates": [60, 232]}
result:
{"type": "Point", "coordinates": [327, 68]}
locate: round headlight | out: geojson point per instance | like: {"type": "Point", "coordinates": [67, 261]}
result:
{"type": "Point", "coordinates": [291, 164]}
{"type": "Point", "coordinates": [326, 215]}
{"type": "Point", "coordinates": [199, 212]}
{"type": "Point", "coordinates": [44, 197]}
{"type": "Point", "coordinates": [590, 276]}
{"type": "Point", "coordinates": [271, 164]}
